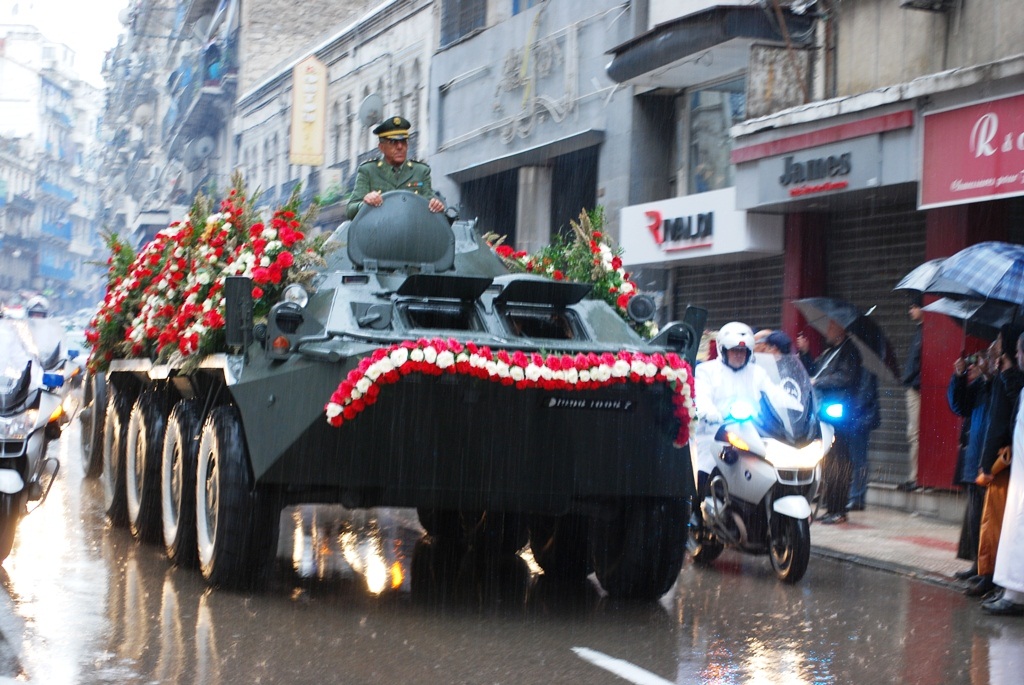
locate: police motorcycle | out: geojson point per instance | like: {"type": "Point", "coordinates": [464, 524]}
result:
{"type": "Point", "coordinates": [32, 413]}
{"type": "Point", "coordinates": [767, 471]}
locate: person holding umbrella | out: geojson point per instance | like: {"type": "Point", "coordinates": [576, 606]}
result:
{"type": "Point", "coordinates": [839, 373]}
{"type": "Point", "coordinates": [1006, 388]}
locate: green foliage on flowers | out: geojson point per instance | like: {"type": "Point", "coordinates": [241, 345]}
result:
{"type": "Point", "coordinates": [166, 303]}
{"type": "Point", "coordinates": [585, 255]}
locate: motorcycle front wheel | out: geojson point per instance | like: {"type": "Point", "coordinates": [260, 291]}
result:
{"type": "Point", "coordinates": [11, 509]}
{"type": "Point", "coordinates": [702, 544]}
{"type": "Point", "coordinates": [790, 547]}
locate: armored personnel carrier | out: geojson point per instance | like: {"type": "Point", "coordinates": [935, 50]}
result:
{"type": "Point", "coordinates": [416, 371]}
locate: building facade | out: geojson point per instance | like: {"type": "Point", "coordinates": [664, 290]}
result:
{"type": "Point", "coordinates": [50, 233]}
{"type": "Point", "coordinates": [853, 161]}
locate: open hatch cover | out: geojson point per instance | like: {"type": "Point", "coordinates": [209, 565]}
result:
{"type": "Point", "coordinates": [441, 286]}
{"type": "Point", "coordinates": [542, 291]}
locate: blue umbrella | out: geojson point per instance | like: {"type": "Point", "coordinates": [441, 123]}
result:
{"type": "Point", "coordinates": [994, 270]}
{"type": "Point", "coordinates": [925, 278]}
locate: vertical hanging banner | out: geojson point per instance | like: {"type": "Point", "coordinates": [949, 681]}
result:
{"type": "Point", "coordinates": [309, 105]}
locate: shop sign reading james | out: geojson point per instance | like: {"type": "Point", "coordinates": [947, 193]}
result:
{"type": "Point", "coordinates": [973, 153]}
{"type": "Point", "coordinates": [816, 175]}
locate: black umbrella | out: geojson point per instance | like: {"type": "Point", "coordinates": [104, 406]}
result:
{"type": "Point", "coordinates": [876, 353]}
{"type": "Point", "coordinates": [980, 318]}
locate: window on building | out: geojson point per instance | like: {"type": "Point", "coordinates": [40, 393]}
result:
{"type": "Point", "coordinates": [711, 111]}
{"type": "Point", "coordinates": [523, 5]}
{"type": "Point", "coordinates": [460, 17]}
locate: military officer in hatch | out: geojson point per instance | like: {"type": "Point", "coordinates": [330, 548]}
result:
{"type": "Point", "coordinates": [393, 172]}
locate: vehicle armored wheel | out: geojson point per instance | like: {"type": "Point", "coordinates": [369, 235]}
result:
{"type": "Point", "coordinates": [115, 431]}
{"type": "Point", "coordinates": [560, 545]}
{"type": "Point", "coordinates": [178, 483]}
{"type": "Point", "coordinates": [11, 509]}
{"type": "Point", "coordinates": [143, 451]}
{"type": "Point", "coordinates": [444, 526]}
{"type": "Point", "coordinates": [236, 525]}
{"type": "Point", "coordinates": [94, 401]}
{"type": "Point", "coordinates": [638, 551]}
{"type": "Point", "coordinates": [701, 543]}
{"type": "Point", "coordinates": [790, 547]}
{"type": "Point", "coordinates": [496, 533]}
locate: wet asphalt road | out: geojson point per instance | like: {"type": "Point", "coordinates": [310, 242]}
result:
{"type": "Point", "coordinates": [361, 598]}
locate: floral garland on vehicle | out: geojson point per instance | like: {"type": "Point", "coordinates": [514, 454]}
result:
{"type": "Point", "coordinates": [522, 370]}
{"type": "Point", "coordinates": [167, 302]}
{"type": "Point", "coordinates": [589, 257]}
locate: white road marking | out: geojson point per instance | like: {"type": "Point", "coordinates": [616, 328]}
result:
{"type": "Point", "coordinates": [621, 668]}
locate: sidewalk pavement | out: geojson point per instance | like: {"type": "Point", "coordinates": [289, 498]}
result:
{"type": "Point", "coordinates": [894, 540]}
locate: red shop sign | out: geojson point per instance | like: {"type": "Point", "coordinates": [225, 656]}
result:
{"type": "Point", "coordinates": [973, 153]}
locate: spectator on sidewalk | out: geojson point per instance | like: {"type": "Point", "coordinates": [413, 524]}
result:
{"type": "Point", "coordinates": [866, 418]}
{"type": "Point", "coordinates": [760, 338]}
{"type": "Point", "coordinates": [777, 344]}
{"type": "Point", "coordinates": [912, 384]}
{"type": "Point", "coordinates": [1009, 568]}
{"type": "Point", "coordinates": [803, 350]}
{"type": "Point", "coordinates": [968, 395]}
{"type": "Point", "coordinates": [1006, 386]}
{"type": "Point", "coordinates": [838, 376]}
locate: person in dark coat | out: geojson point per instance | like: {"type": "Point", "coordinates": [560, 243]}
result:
{"type": "Point", "coordinates": [1006, 387]}
{"type": "Point", "coordinates": [912, 385]}
{"type": "Point", "coordinates": [838, 377]}
{"type": "Point", "coordinates": [968, 396]}
{"type": "Point", "coordinates": [393, 171]}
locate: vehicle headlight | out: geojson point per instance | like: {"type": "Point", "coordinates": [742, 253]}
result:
{"type": "Point", "coordinates": [18, 427]}
{"type": "Point", "coordinates": [783, 456]}
{"type": "Point", "coordinates": [295, 293]}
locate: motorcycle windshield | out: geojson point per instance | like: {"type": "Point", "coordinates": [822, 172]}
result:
{"type": "Point", "coordinates": [18, 373]}
{"type": "Point", "coordinates": [788, 413]}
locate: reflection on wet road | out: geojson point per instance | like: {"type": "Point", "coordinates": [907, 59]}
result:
{"type": "Point", "coordinates": [364, 597]}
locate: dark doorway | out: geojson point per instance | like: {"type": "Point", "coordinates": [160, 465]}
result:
{"type": "Point", "coordinates": [574, 187]}
{"type": "Point", "coordinates": [492, 200]}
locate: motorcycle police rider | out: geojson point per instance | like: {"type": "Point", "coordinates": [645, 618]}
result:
{"type": "Point", "coordinates": [719, 383]}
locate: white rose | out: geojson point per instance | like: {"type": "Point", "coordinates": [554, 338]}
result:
{"type": "Point", "coordinates": [269, 233]}
{"type": "Point", "coordinates": [517, 373]}
{"type": "Point", "coordinates": [399, 356]}
{"type": "Point", "coordinates": [416, 355]}
{"type": "Point", "coordinates": [620, 369]}
{"type": "Point", "coordinates": [532, 372]}
{"type": "Point", "coordinates": [572, 376]}
{"type": "Point", "coordinates": [445, 359]}
{"type": "Point", "coordinates": [363, 384]}
{"type": "Point", "coordinates": [585, 376]}
{"type": "Point", "coordinates": [430, 354]}
{"type": "Point", "coordinates": [333, 409]}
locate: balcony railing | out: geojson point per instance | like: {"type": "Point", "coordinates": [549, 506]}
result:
{"type": "Point", "coordinates": [57, 229]}
{"type": "Point", "coordinates": [54, 190]}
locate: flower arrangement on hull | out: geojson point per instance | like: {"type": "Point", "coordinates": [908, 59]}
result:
{"type": "Point", "coordinates": [521, 370]}
{"type": "Point", "coordinates": [167, 302]}
{"type": "Point", "coordinates": [588, 256]}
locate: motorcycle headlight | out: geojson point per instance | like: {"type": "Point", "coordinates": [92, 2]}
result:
{"type": "Point", "coordinates": [18, 427]}
{"type": "Point", "coordinates": [783, 456]}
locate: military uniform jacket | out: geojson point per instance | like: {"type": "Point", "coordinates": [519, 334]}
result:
{"type": "Point", "coordinates": [379, 175]}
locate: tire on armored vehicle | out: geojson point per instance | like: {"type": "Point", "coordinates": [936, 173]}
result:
{"type": "Point", "coordinates": [115, 433]}
{"type": "Point", "coordinates": [94, 399]}
{"type": "Point", "coordinates": [638, 551]}
{"type": "Point", "coordinates": [561, 546]}
{"type": "Point", "coordinates": [236, 524]}
{"type": "Point", "coordinates": [143, 453]}
{"type": "Point", "coordinates": [178, 482]}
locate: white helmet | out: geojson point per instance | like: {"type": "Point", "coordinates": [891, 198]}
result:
{"type": "Point", "coordinates": [38, 307]}
{"type": "Point", "coordinates": [735, 334]}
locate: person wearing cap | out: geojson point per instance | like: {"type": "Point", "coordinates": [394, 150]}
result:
{"type": "Point", "coordinates": [393, 171]}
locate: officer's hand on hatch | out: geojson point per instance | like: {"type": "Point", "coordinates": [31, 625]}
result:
{"type": "Point", "coordinates": [373, 198]}
{"type": "Point", "coordinates": [435, 205]}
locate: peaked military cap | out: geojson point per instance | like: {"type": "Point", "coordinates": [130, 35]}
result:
{"type": "Point", "coordinates": [394, 128]}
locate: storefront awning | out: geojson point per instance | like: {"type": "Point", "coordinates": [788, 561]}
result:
{"type": "Point", "coordinates": [703, 46]}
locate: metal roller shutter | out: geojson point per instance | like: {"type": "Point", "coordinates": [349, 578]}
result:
{"type": "Point", "coordinates": [867, 253]}
{"type": "Point", "coordinates": [749, 291]}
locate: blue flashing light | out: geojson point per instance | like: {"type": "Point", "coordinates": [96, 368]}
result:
{"type": "Point", "coordinates": [834, 411]}
{"type": "Point", "coordinates": [52, 380]}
